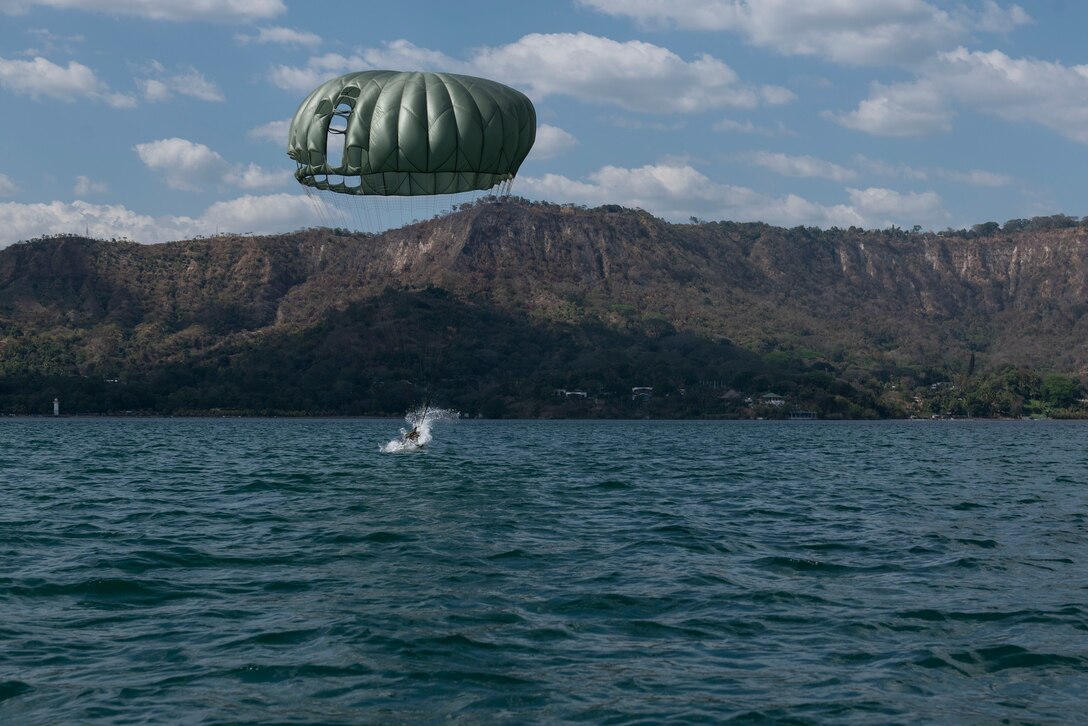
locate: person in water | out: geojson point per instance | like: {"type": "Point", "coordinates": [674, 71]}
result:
{"type": "Point", "coordinates": [412, 436]}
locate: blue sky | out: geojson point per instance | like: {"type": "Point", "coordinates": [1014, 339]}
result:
{"type": "Point", "coordinates": [163, 119]}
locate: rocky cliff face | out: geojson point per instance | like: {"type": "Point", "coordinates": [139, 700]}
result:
{"type": "Point", "coordinates": [853, 297]}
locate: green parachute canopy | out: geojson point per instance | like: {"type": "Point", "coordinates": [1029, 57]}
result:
{"type": "Point", "coordinates": [393, 133]}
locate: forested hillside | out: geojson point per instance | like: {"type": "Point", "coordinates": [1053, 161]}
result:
{"type": "Point", "coordinates": [514, 308]}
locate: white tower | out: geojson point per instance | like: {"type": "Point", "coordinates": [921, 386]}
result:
{"type": "Point", "coordinates": [56, 407]}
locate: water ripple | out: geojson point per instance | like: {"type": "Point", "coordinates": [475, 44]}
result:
{"type": "Point", "coordinates": [253, 571]}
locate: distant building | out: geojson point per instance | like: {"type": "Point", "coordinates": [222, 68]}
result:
{"type": "Point", "coordinates": [772, 399]}
{"type": "Point", "coordinates": [56, 407]}
{"type": "Point", "coordinates": [642, 393]}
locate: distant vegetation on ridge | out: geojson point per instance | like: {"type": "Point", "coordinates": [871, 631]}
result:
{"type": "Point", "coordinates": [534, 309]}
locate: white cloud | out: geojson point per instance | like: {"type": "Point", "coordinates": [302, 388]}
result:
{"type": "Point", "coordinates": [316, 71]}
{"type": "Point", "coordinates": [679, 191]}
{"type": "Point", "coordinates": [403, 54]}
{"type": "Point", "coordinates": [154, 90]}
{"type": "Point", "coordinates": [801, 166]}
{"type": "Point", "coordinates": [274, 131]}
{"type": "Point", "coordinates": [972, 177]}
{"type": "Point", "coordinates": [215, 11]}
{"type": "Point", "coordinates": [884, 168]}
{"type": "Point", "coordinates": [899, 110]}
{"type": "Point", "coordinates": [283, 36]}
{"type": "Point", "coordinates": [727, 125]}
{"type": "Point", "coordinates": [263, 214]}
{"type": "Point", "coordinates": [853, 32]}
{"type": "Point", "coordinates": [50, 42]}
{"type": "Point", "coordinates": [184, 164]}
{"type": "Point", "coordinates": [977, 177]}
{"type": "Point", "coordinates": [634, 75]}
{"type": "Point", "coordinates": [247, 214]}
{"type": "Point", "coordinates": [552, 141]}
{"type": "Point", "coordinates": [993, 18]}
{"type": "Point", "coordinates": [161, 85]}
{"type": "Point", "coordinates": [255, 178]}
{"type": "Point", "coordinates": [194, 167]}
{"type": "Point", "coordinates": [86, 185]}
{"type": "Point", "coordinates": [40, 78]}
{"type": "Point", "coordinates": [7, 186]}
{"type": "Point", "coordinates": [1050, 94]}
{"type": "Point", "coordinates": [886, 206]}
{"type": "Point", "coordinates": [627, 122]}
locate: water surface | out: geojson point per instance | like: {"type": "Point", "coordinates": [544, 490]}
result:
{"type": "Point", "coordinates": [258, 571]}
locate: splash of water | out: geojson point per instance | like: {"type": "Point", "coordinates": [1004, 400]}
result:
{"type": "Point", "coordinates": [421, 420]}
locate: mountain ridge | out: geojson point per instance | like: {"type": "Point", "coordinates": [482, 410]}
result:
{"type": "Point", "coordinates": [866, 303]}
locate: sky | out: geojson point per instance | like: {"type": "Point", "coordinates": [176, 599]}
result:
{"type": "Point", "coordinates": [154, 120]}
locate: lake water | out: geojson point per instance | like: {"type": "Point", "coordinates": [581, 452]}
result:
{"type": "Point", "coordinates": [260, 571]}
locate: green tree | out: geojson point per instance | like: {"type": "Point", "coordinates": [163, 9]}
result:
{"type": "Point", "coordinates": [1060, 391]}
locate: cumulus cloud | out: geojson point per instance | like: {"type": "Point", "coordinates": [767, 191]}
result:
{"type": "Point", "coordinates": [262, 214]}
{"type": "Point", "coordinates": [316, 71]}
{"type": "Point", "coordinates": [256, 178]}
{"type": "Point", "coordinates": [1047, 93]}
{"type": "Point", "coordinates": [41, 78]}
{"type": "Point", "coordinates": [886, 206]}
{"type": "Point", "coordinates": [183, 164]}
{"type": "Point", "coordinates": [214, 11]}
{"type": "Point", "coordinates": [634, 75]}
{"type": "Point", "coordinates": [801, 166]}
{"type": "Point", "coordinates": [7, 186]}
{"type": "Point", "coordinates": [274, 131]}
{"type": "Point", "coordinates": [678, 191]}
{"type": "Point", "coordinates": [283, 36]}
{"type": "Point", "coordinates": [552, 141]}
{"type": "Point", "coordinates": [853, 32]}
{"type": "Point", "coordinates": [85, 185]}
{"type": "Point", "coordinates": [247, 214]}
{"type": "Point", "coordinates": [899, 110]}
{"type": "Point", "coordinates": [160, 84]}
{"type": "Point", "coordinates": [193, 167]}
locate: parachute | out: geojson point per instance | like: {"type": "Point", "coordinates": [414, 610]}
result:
{"type": "Point", "coordinates": [400, 134]}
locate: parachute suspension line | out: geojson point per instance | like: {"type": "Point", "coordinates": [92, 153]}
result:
{"type": "Point", "coordinates": [361, 213]}
{"type": "Point", "coordinates": [379, 204]}
{"type": "Point", "coordinates": [319, 207]}
{"type": "Point", "coordinates": [313, 202]}
{"type": "Point", "coordinates": [345, 211]}
{"type": "Point", "coordinates": [372, 225]}
{"type": "Point", "coordinates": [338, 207]}
{"type": "Point", "coordinates": [341, 204]}
{"type": "Point", "coordinates": [334, 211]}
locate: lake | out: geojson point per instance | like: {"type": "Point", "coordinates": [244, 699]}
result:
{"type": "Point", "coordinates": [289, 571]}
